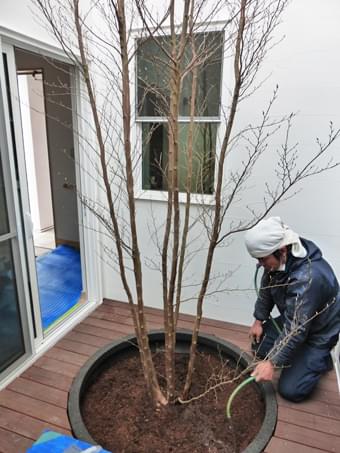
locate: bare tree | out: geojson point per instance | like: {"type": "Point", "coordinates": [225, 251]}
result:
{"type": "Point", "coordinates": [102, 44]}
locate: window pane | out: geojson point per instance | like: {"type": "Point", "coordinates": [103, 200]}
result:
{"type": "Point", "coordinates": [155, 157]}
{"type": "Point", "coordinates": [153, 76]}
{"type": "Point", "coordinates": [11, 339]}
{"type": "Point", "coordinates": [4, 227]}
{"type": "Point", "coordinates": [209, 48]}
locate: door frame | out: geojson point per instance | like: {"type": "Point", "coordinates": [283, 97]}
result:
{"type": "Point", "coordinates": [88, 225]}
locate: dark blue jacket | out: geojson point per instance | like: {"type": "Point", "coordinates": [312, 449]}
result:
{"type": "Point", "coordinates": [301, 291]}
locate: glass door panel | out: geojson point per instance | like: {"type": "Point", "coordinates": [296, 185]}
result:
{"type": "Point", "coordinates": [15, 329]}
{"type": "Point", "coordinates": [11, 337]}
{"type": "Point", "coordinates": [21, 220]}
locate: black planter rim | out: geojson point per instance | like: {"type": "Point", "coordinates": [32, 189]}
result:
{"type": "Point", "coordinates": [79, 384]}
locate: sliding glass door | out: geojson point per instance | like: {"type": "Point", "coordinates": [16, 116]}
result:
{"type": "Point", "coordinates": [16, 332]}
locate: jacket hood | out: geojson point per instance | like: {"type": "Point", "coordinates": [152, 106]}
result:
{"type": "Point", "coordinates": [313, 251]}
{"type": "Point", "coordinates": [313, 254]}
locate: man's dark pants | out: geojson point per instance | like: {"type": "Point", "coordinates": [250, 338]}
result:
{"type": "Point", "coordinates": [299, 378]}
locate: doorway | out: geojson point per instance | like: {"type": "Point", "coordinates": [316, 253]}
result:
{"type": "Point", "coordinates": [46, 115]}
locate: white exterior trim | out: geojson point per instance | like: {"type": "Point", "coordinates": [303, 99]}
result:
{"type": "Point", "coordinates": [33, 45]}
{"type": "Point", "coordinates": [162, 196]}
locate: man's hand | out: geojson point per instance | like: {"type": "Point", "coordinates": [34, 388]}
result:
{"type": "Point", "coordinates": [256, 331]}
{"type": "Point", "coordinates": [264, 371]}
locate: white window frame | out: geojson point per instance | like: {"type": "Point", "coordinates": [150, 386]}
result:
{"type": "Point", "coordinates": [137, 121]}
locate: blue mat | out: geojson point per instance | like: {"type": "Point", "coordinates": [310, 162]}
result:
{"type": "Point", "coordinates": [59, 281]}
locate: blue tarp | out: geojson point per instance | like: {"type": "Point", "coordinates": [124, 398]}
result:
{"type": "Point", "coordinates": [59, 281]}
{"type": "Point", "coordinates": [52, 442]}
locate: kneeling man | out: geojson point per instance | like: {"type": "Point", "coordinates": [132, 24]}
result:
{"type": "Point", "coordinates": [302, 285]}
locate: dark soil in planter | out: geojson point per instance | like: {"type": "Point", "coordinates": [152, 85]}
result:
{"type": "Point", "coordinates": [117, 412]}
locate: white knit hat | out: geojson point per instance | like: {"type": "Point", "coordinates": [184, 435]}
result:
{"type": "Point", "coordinates": [270, 235]}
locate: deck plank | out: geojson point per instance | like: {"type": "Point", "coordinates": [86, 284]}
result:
{"type": "Point", "coordinates": [109, 335]}
{"type": "Point", "coordinates": [310, 437]}
{"type": "Point", "coordinates": [25, 425]}
{"type": "Point", "coordinates": [38, 398]}
{"type": "Point", "coordinates": [48, 377]}
{"type": "Point", "coordinates": [277, 445]}
{"type": "Point", "coordinates": [313, 406]}
{"type": "Point", "coordinates": [311, 421]}
{"type": "Point", "coordinates": [61, 355]}
{"type": "Point", "coordinates": [49, 364]}
{"type": "Point", "coordinates": [11, 442]}
{"type": "Point", "coordinates": [35, 408]}
{"type": "Point", "coordinates": [39, 391]}
{"type": "Point", "coordinates": [149, 310]}
{"type": "Point", "coordinates": [86, 339]}
{"type": "Point", "coordinates": [75, 346]}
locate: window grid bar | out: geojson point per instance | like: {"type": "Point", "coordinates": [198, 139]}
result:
{"type": "Point", "coordinates": [183, 119]}
{"type": "Point", "coordinates": [6, 237]}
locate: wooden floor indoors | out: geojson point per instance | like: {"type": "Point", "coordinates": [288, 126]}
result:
{"type": "Point", "coordinates": [38, 398]}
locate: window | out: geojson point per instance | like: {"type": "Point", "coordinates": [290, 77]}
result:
{"type": "Point", "coordinates": [153, 108]}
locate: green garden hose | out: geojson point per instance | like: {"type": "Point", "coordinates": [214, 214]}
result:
{"type": "Point", "coordinates": [235, 392]}
{"type": "Point", "coordinates": [251, 378]}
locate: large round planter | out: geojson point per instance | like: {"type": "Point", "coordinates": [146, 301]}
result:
{"type": "Point", "coordinates": [93, 366]}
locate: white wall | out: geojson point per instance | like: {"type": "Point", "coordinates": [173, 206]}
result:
{"type": "Point", "coordinates": [306, 65]}
{"type": "Point", "coordinates": [29, 150]}
{"type": "Point", "coordinates": [21, 16]}
{"type": "Point", "coordinates": [36, 152]}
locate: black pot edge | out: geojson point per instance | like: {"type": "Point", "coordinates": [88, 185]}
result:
{"type": "Point", "coordinates": [79, 383]}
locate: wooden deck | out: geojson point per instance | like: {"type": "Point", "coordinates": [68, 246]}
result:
{"type": "Point", "coordinates": [38, 398]}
